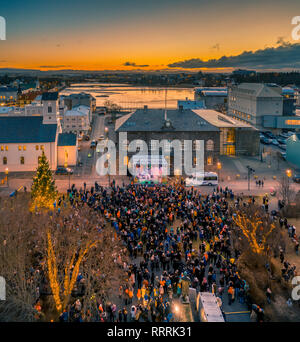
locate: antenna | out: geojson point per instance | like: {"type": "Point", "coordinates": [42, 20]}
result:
{"type": "Point", "coordinates": [166, 104]}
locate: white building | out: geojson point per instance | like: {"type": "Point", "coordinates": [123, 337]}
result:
{"type": "Point", "coordinates": [213, 97]}
{"type": "Point", "coordinates": [77, 120]}
{"type": "Point", "coordinates": [250, 102]}
{"type": "Point", "coordinates": [23, 138]}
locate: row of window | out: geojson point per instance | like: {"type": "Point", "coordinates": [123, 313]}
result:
{"type": "Point", "coordinates": [154, 145]}
{"type": "Point", "coordinates": [22, 160]}
{"type": "Point", "coordinates": [24, 148]}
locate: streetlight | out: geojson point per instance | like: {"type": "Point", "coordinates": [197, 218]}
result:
{"type": "Point", "coordinates": [69, 173]}
{"type": "Point", "coordinates": [108, 157]}
{"type": "Point", "coordinates": [250, 171]}
{"type": "Point", "coordinates": [6, 172]}
{"type": "Point", "coordinates": [289, 173]}
{"type": "Point", "coordinates": [106, 130]}
{"type": "Point", "coordinates": [219, 167]}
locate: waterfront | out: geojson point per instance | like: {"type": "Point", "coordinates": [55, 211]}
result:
{"type": "Point", "coordinates": [128, 96]}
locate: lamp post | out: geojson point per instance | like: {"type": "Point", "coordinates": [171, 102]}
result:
{"type": "Point", "coordinates": [219, 167]}
{"type": "Point", "coordinates": [289, 174]}
{"type": "Point", "coordinates": [6, 172]}
{"type": "Point", "coordinates": [69, 173]}
{"type": "Point", "coordinates": [106, 130]}
{"type": "Point", "coordinates": [250, 171]}
{"type": "Point", "coordinates": [108, 166]}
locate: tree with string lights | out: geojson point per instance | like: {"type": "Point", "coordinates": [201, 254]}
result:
{"type": "Point", "coordinates": [43, 189]}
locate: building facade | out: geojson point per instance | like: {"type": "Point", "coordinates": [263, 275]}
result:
{"type": "Point", "coordinates": [221, 135]}
{"type": "Point", "coordinates": [22, 141]}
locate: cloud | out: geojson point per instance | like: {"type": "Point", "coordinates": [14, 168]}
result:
{"type": "Point", "coordinates": [54, 66]}
{"type": "Point", "coordinates": [286, 55]}
{"type": "Point", "coordinates": [216, 47]}
{"type": "Point", "coordinates": [132, 64]}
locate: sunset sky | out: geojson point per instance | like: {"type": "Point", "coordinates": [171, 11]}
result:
{"type": "Point", "coordinates": [148, 35]}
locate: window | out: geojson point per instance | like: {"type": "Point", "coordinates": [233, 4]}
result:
{"type": "Point", "coordinates": [49, 109]}
{"type": "Point", "coordinates": [42, 147]}
{"type": "Point", "coordinates": [4, 160]}
{"type": "Point", "coordinates": [6, 148]}
{"type": "Point", "coordinates": [20, 148]}
{"type": "Point", "coordinates": [22, 160]}
{"type": "Point", "coordinates": [209, 145]}
{"type": "Point", "coordinates": [37, 147]}
{"type": "Point", "coordinates": [24, 148]}
{"type": "Point", "coordinates": [2, 148]}
{"type": "Point", "coordinates": [209, 160]}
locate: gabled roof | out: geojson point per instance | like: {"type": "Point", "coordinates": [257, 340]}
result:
{"type": "Point", "coordinates": [220, 120]}
{"type": "Point", "coordinates": [26, 129]}
{"type": "Point", "coordinates": [50, 96]}
{"type": "Point", "coordinates": [261, 89]}
{"type": "Point", "coordinates": [145, 120]}
{"type": "Point", "coordinates": [67, 139]}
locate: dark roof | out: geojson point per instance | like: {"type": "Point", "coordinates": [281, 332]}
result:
{"type": "Point", "coordinates": [8, 89]}
{"type": "Point", "coordinates": [26, 129]}
{"type": "Point", "coordinates": [67, 139]}
{"type": "Point", "coordinates": [51, 96]}
{"type": "Point", "coordinates": [153, 120]}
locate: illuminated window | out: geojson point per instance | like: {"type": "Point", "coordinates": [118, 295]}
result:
{"type": "Point", "coordinates": [2, 148]}
{"type": "Point", "coordinates": [292, 122]}
{"type": "Point", "coordinates": [22, 160]}
{"type": "Point", "coordinates": [209, 145]}
{"type": "Point", "coordinates": [37, 147]}
{"type": "Point", "coordinates": [4, 160]}
{"type": "Point", "coordinates": [24, 148]}
{"type": "Point", "coordinates": [6, 148]}
{"type": "Point", "coordinates": [42, 147]}
{"type": "Point", "coordinates": [125, 161]}
{"type": "Point", "coordinates": [209, 160]}
{"type": "Point", "coordinates": [20, 148]}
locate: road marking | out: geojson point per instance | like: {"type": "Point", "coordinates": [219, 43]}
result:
{"type": "Point", "coordinates": [237, 312]}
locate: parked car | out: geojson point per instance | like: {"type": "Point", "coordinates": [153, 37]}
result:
{"type": "Point", "coordinates": [93, 144]}
{"type": "Point", "coordinates": [274, 142]}
{"type": "Point", "coordinates": [266, 141]}
{"type": "Point", "coordinates": [282, 146]}
{"type": "Point", "coordinates": [281, 141]}
{"type": "Point", "coordinates": [63, 171]}
{"type": "Point", "coordinates": [283, 155]}
{"type": "Point", "coordinates": [269, 134]}
{"type": "Point", "coordinates": [296, 177]}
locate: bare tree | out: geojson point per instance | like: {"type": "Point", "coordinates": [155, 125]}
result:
{"type": "Point", "coordinates": [42, 254]}
{"type": "Point", "coordinates": [285, 191]}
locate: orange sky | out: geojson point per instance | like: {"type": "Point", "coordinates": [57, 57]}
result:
{"type": "Point", "coordinates": [168, 36]}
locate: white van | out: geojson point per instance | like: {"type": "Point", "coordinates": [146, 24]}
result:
{"type": "Point", "coordinates": [206, 178]}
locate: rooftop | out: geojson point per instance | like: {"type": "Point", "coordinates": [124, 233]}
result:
{"type": "Point", "coordinates": [50, 96]}
{"type": "Point", "coordinates": [67, 139]}
{"type": "Point", "coordinates": [220, 120]}
{"type": "Point", "coordinates": [146, 120]}
{"type": "Point", "coordinates": [26, 129]}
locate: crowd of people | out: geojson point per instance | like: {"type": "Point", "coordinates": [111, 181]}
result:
{"type": "Point", "coordinates": [173, 235]}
